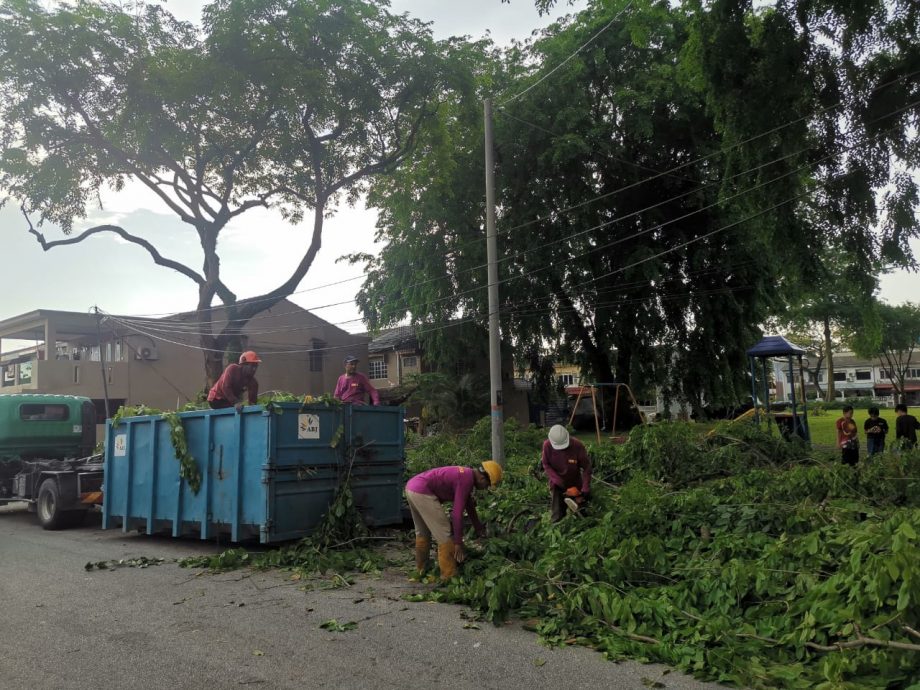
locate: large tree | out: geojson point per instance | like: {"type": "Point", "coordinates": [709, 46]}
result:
{"type": "Point", "coordinates": [899, 343]}
{"type": "Point", "coordinates": [285, 104]}
{"type": "Point", "coordinates": [660, 194]}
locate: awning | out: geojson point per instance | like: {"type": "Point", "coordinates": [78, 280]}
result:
{"type": "Point", "coordinates": [775, 346]}
{"type": "Point", "coordinates": [890, 387]}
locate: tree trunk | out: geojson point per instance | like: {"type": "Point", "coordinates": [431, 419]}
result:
{"type": "Point", "coordinates": [814, 378]}
{"type": "Point", "coordinates": [831, 393]}
{"type": "Point", "coordinates": [624, 364]}
{"type": "Point", "coordinates": [213, 366]}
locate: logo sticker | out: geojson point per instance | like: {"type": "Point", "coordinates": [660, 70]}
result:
{"type": "Point", "coordinates": [307, 426]}
{"type": "Point", "coordinates": [121, 445]}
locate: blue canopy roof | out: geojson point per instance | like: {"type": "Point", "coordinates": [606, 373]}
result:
{"type": "Point", "coordinates": [775, 346]}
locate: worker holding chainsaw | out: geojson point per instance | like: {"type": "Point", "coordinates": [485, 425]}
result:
{"type": "Point", "coordinates": [425, 494]}
{"type": "Point", "coordinates": [568, 468]}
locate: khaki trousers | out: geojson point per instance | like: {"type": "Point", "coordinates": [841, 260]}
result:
{"type": "Point", "coordinates": [429, 517]}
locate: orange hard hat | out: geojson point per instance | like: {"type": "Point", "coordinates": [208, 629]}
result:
{"type": "Point", "coordinates": [249, 357]}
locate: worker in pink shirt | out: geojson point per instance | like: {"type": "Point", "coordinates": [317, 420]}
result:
{"type": "Point", "coordinates": [426, 492]}
{"type": "Point", "coordinates": [568, 468]}
{"type": "Point", "coordinates": [353, 386]}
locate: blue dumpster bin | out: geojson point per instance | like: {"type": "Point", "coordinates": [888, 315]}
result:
{"type": "Point", "coordinates": [267, 472]}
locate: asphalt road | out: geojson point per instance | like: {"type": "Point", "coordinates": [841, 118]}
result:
{"type": "Point", "coordinates": [169, 627]}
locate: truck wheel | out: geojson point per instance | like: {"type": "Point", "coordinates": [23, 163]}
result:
{"type": "Point", "coordinates": [48, 505]}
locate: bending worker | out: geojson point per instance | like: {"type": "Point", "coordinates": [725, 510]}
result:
{"type": "Point", "coordinates": [568, 468]}
{"type": "Point", "coordinates": [228, 391]}
{"type": "Point", "coordinates": [426, 492]}
{"type": "Point", "coordinates": [352, 386]}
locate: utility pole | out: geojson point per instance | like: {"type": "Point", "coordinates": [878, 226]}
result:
{"type": "Point", "coordinates": [495, 352]}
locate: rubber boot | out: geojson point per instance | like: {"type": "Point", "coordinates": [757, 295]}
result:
{"type": "Point", "coordinates": [446, 561]}
{"type": "Point", "coordinates": [422, 546]}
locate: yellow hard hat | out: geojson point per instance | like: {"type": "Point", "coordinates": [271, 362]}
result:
{"type": "Point", "coordinates": [493, 470]}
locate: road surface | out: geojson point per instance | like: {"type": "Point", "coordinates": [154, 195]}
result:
{"type": "Point", "coordinates": [168, 627]}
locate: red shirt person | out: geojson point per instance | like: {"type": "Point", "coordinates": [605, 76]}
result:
{"type": "Point", "coordinates": [353, 386]}
{"type": "Point", "coordinates": [568, 468]}
{"type": "Point", "coordinates": [848, 437]}
{"type": "Point", "coordinates": [228, 390]}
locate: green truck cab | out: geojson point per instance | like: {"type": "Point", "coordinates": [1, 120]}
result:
{"type": "Point", "coordinates": [46, 460]}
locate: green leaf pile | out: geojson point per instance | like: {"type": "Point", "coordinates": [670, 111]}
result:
{"type": "Point", "coordinates": [737, 557]}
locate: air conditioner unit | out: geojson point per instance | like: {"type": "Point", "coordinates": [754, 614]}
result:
{"type": "Point", "coordinates": [146, 353]}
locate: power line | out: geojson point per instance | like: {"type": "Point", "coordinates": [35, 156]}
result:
{"type": "Point", "coordinates": [565, 62]}
{"type": "Point", "coordinates": [157, 325]}
{"type": "Point", "coordinates": [468, 319]}
{"type": "Point", "coordinates": [605, 195]}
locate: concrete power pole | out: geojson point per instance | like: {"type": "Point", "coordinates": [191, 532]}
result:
{"type": "Point", "coordinates": [495, 355]}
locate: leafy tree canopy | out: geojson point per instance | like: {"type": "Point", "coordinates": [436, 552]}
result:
{"type": "Point", "coordinates": [660, 194]}
{"type": "Point", "coordinates": [286, 104]}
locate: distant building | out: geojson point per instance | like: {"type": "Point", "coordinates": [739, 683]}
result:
{"type": "Point", "coordinates": [395, 354]}
{"type": "Point", "coordinates": [158, 362]}
{"type": "Point", "coordinates": [853, 377]}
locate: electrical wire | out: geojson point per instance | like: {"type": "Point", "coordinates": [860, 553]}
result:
{"type": "Point", "coordinates": [566, 61]}
{"type": "Point", "coordinates": [157, 326]}
{"type": "Point", "coordinates": [606, 195]}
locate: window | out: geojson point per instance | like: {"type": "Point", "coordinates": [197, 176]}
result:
{"type": "Point", "coordinates": [840, 376]}
{"type": "Point", "coordinates": [913, 373]}
{"type": "Point", "coordinates": [410, 362]}
{"type": "Point", "coordinates": [377, 368]}
{"type": "Point", "coordinates": [40, 412]}
{"type": "Point", "coordinates": [884, 374]}
{"type": "Point", "coordinates": [25, 372]}
{"type": "Point", "coordinates": [316, 355]}
{"type": "Point", "coordinates": [863, 375]}
{"type": "Point", "coordinates": [567, 379]}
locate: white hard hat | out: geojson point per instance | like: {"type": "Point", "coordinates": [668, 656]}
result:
{"type": "Point", "coordinates": [558, 437]}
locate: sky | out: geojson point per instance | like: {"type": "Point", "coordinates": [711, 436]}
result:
{"type": "Point", "coordinates": [258, 250]}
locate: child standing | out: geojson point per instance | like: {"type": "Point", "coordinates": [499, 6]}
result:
{"type": "Point", "coordinates": [848, 437]}
{"type": "Point", "coordinates": [876, 430]}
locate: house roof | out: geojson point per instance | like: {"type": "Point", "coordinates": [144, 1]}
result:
{"type": "Point", "coordinates": [31, 325]}
{"type": "Point", "coordinates": [775, 346]}
{"type": "Point", "coordinates": [399, 338]}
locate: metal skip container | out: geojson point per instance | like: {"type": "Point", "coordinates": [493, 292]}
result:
{"type": "Point", "coordinates": [268, 472]}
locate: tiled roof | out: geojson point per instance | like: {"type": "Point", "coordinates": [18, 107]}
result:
{"type": "Point", "coordinates": [399, 338]}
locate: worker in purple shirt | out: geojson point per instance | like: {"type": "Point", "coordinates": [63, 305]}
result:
{"type": "Point", "coordinates": [568, 468]}
{"type": "Point", "coordinates": [426, 492]}
{"type": "Point", "coordinates": [352, 386]}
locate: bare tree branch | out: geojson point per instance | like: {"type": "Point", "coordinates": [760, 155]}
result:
{"type": "Point", "coordinates": [157, 257]}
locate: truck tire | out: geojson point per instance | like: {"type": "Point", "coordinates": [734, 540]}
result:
{"type": "Point", "coordinates": [48, 505]}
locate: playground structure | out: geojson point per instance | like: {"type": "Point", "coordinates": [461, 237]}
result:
{"type": "Point", "coordinates": [789, 423]}
{"type": "Point", "coordinates": [601, 422]}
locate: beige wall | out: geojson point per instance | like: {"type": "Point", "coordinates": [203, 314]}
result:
{"type": "Point", "coordinates": [396, 368]}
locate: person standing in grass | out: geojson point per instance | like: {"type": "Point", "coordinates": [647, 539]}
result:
{"type": "Point", "coordinates": [876, 429]}
{"type": "Point", "coordinates": [905, 427]}
{"type": "Point", "coordinates": [848, 437]}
